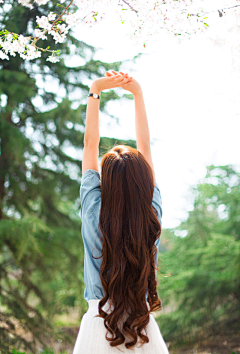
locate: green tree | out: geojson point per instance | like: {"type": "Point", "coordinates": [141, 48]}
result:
{"type": "Point", "coordinates": [203, 290]}
{"type": "Point", "coordinates": [42, 114]}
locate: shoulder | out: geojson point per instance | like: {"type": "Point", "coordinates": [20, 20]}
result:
{"type": "Point", "coordinates": [157, 201]}
{"type": "Point", "coordinates": [90, 173]}
{"type": "Point", "coordinates": [90, 191]}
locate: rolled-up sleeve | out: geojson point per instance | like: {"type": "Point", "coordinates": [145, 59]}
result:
{"type": "Point", "coordinates": [157, 203]}
{"type": "Point", "coordinates": [90, 191]}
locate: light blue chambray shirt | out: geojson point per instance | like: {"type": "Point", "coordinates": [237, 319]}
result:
{"type": "Point", "coordinates": [90, 194]}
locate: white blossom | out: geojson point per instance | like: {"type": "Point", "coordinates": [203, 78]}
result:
{"type": "Point", "coordinates": [23, 40]}
{"type": "Point", "coordinates": [59, 38]}
{"type": "Point", "coordinates": [6, 46]}
{"type": "Point", "coordinates": [43, 22]}
{"type": "Point", "coordinates": [26, 3]}
{"type": "Point", "coordinates": [41, 2]}
{"type": "Point", "coordinates": [9, 37]}
{"type": "Point", "coordinates": [51, 16]}
{"type": "Point", "coordinates": [17, 47]}
{"type": "Point", "coordinates": [3, 55]}
{"type": "Point", "coordinates": [12, 53]}
{"type": "Point", "coordinates": [30, 53]}
{"type": "Point", "coordinates": [63, 28]}
{"type": "Point", "coordinates": [72, 20]}
{"type": "Point", "coordinates": [146, 18]}
{"type": "Point", "coordinates": [53, 59]}
{"type": "Point", "coordinates": [40, 34]}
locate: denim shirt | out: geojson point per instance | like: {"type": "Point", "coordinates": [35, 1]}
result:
{"type": "Point", "coordinates": [90, 194]}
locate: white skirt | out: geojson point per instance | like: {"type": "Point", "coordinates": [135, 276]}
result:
{"type": "Point", "coordinates": [91, 337]}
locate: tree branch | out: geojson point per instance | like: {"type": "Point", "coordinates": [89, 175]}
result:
{"type": "Point", "coordinates": [57, 19]}
{"type": "Point", "coordinates": [219, 10]}
{"type": "Point", "coordinates": [125, 2]}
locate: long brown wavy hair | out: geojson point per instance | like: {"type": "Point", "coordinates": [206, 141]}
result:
{"type": "Point", "coordinates": [129, 227]}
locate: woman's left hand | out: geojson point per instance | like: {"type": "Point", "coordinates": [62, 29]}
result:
{"type": "Point", "coordinates": [109, 82]}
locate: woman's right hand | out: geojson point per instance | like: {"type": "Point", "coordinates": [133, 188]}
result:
{"type": "Point", "coordinates": [132, 85]}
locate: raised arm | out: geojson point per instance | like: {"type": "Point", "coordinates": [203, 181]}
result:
{"type": "Point", "coordinates": [142, 129]}
{"type": "Point", "coordinates": [92, 135]}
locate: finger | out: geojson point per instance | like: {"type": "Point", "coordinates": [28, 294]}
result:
{"type": "Point", "coordinates": [107, 73]}
{"type": "Point", "coordinates": [118, 77]}
{"type": "Point", "coordinates": [113, 77]}
{"type": "Point", "coordinates": [128, 81]}
{"type": "Point", "coordinates": [125, 77]}
{"type": "Point", "coordinates": [115, 72]}
{"type": "Point", "coordinates": [129, 78]}
{"type": "Point", "coordinates": [122, 73]}
{"type": "Point", "coordinates": [124, 81]}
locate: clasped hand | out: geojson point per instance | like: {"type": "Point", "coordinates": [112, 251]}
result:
{"type": "Point", "coordinates": [113, 79]}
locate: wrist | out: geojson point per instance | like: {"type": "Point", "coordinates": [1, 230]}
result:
{"type": "Point", "coordinates": [94, 88]}
{"type": "Point", "coordinates": [137, 92]}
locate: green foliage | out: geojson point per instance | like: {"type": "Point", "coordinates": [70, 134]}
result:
{"type": "Point", "coordinates": [42, 128]}
{"type": "Point", "coordinates": [203, 289]}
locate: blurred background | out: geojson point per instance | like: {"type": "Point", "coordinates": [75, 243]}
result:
{"type": "Point", "coordinates": [192, 91]}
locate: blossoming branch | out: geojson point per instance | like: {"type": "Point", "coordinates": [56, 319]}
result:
{"type": "Point", "coordinates": [146, 17]}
